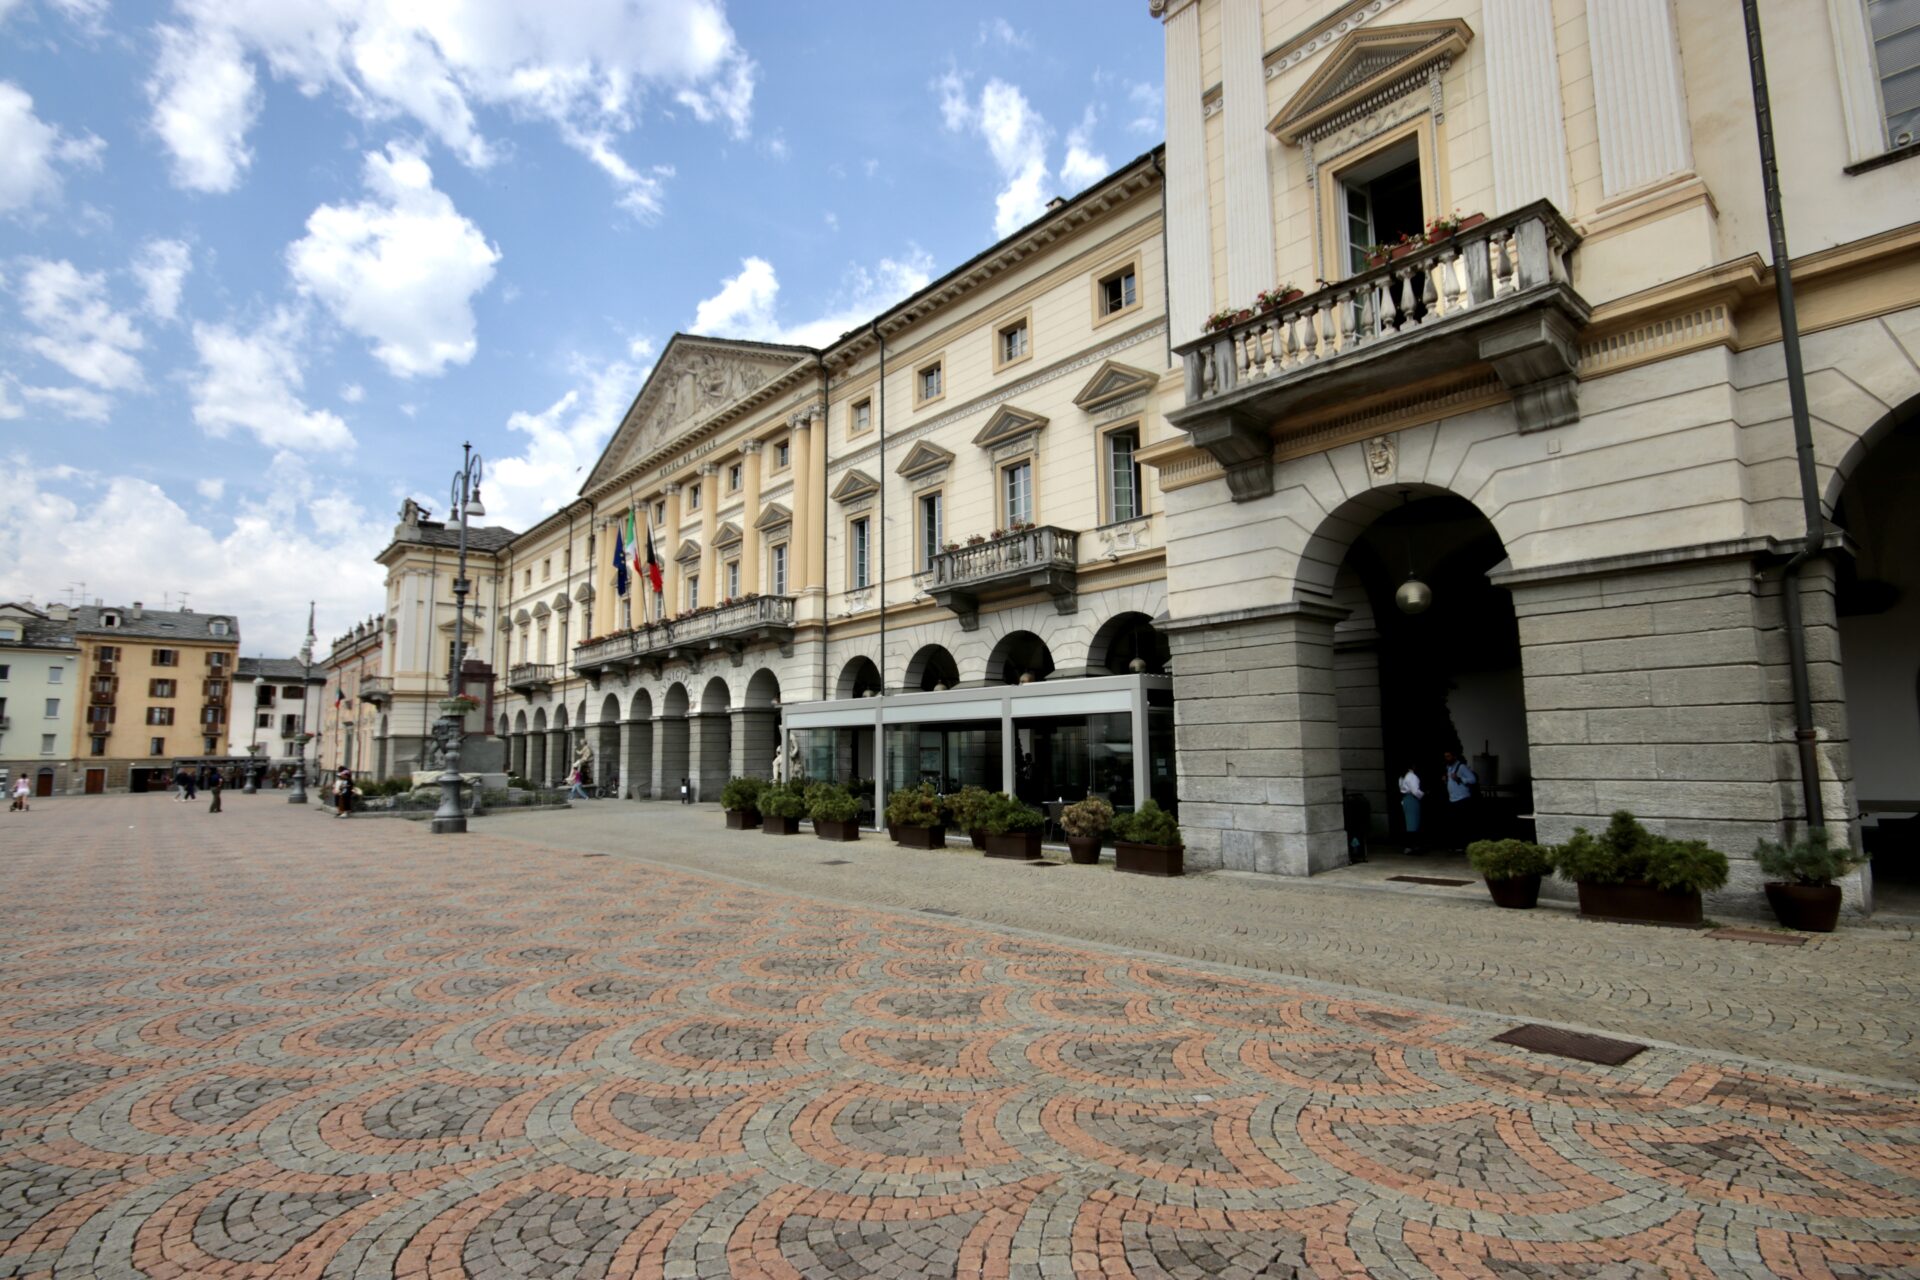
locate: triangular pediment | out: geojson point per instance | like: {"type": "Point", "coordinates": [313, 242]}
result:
{"type": "Point", "coordinates": [1008, 423]}
{"type": "Point", "coordinates": [923, 460]}
{"type": "Point", "coordinates": [1365, 62]}
{"type": "Point", "coordinates": [727, 535]}
{"type": "Point", "coordinates": [854, 484]}
{"type": "Point", "coordinates": [774, 517]}
{"type": "Point", "coordinates": [1114, 381]}
{"type": "Point", "coordinates": [689, 551]}
{"type": "Point", "coordinates": [695, 379]}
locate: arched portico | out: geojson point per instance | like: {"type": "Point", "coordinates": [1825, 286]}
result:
{"type": "Point", "coordinates": [931, 668]}
{"type": "Point", "coordinates": [636, 765]}
{"type": "Point", "coordinates": [537, 749]}
{"type": "Point", "coordinates": [710, 741]}
{"type": "Point", "coordinates": [517, 745]}
{"type": "Point", "coordinates": [559, 752]}
{"type": "Point", "coordinates": [606, 743]}
{"type": "Point", "coordinates": [670, 757]}
{"type": "Point", "coordinates": [756, 731]}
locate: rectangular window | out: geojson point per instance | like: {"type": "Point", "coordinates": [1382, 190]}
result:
{"type": "Point", "coordinates": [777, 569]}
{"type": "Point", "coordinates": [54, 674]}
{"type": "Point", "coordinates": [1012, 343]}
{"type": "Point", "coordinates": [1118, 291]}
{"type": "Point", "coordinates": [928, 384]}
{"type": "Point", "coordinates": [166, 657]}
{"type": "Point", "coordinates": [106, 653]}
{"type": "Point", "coordinates": [100, 717]}
{"type": "Point", "coordinates": [263, 720]}
{"type": "Point", "coordinates": [213, 716]}
{"type": "Point", "coordinates": [1895, 28]}
{"type": "Point", "coordinates": [733, 477]}
{"type": "Point", "coordinates": [1381, 202]}
{"type": "Point", "coordinates": [860, 416]}
{"type": "Point", "coordinates": [931, 530]}
{"type": "Point", "coordinates": [156, 746]}
{"type": "Point", "coordinates": [782, 455]}
{"type": "Point", "coordinates": [290, 691]}
{"type": "Point", "coordinates": [693, 591]}
{"type": "Point", "coordinates": [546, 569]}
{"type": "Point", "coordinates": [733, 579]}
{"type": "Point", "coordinates": [217, 660]}
{"type": "Point", "coordinates": [46, 744]}
{"type": "Point", "coordinates": [1016, 490]}
{"type": "Point", "coordinates": [660, 513]}
{"type": "Point", "coordinates": [263, 696]}
{"type": "Point", "coordinates": [53, 708]}
{"type": "Point", "coordinates": [859, 537]}
{"type": "Point", "coordinates": [1123, 475]}
{"type": "Point", "coordinates": [216, 688]}
{"type": "Point", "coordinates": [159, 688]}
{"type": "Point", "coordinates": [97, 745]}
{"type": "Point", "coordinates": [693, 497]}
{"type": "Point", "coordinates": [160, 715]}
{"type": "Point", "coordinates": [5, 670]}
{"type": "Point", "coordinates": [210, 745]}
{"type": "Point", "coordinates": [289, 725]}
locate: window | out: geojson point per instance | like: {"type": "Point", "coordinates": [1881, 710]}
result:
{"type": "Point", "coordinates": [566, 558]}
{"type": "Point", "coordinates": [9, 633]}
{"type": "Point", "coordinates": [693, 497]}
{"type": "Point", "coordinates": [213, 716]}
{"type": "Point", "coordinates": [97, 745]}
{"type": "Point", "coordinates": [217, 627]}
{"type": "Point", "coordinates": [263, 695]}
{"type": "Point", "coordinates": [859, 548]}
{"type": "Point", "coordinates": [546, 569]}
{"type": "Point", "coordinates": [1012, 343]}
{"type": "Point", "coordinates": [109, 619]}
{"type": "Point", "coordinates": [1123, 475]}
{"type": "Point", "coordinates": [166, 657]}
{"type": "Point", "coordinates": [928, 383]}
{"type": "Point", "coordinates": [777, 569]}
{"type": "Point", "coordinates": [290, 691]}
{"type": "Point", "coordinates": [1016, 493]}
{"type": "Point", "coordinates": [210, 745]}
{"type": "Point", "coordinates": [216, 688]}
{"type": "Point", "coordinates": [156, 746]}
{"type": "Point", "coordinates": [782, 455]}
{"type": "Point", "coordinates": [53, 708]}
{"type": "Point", "coordinates": [157, 688]}
{"type": "Point", "coordinates": [733, 579]}
{"type": "Point", "coordinates": [931, 530]}
{"type": "Point", "coordinates": [160, 715]}
{"type": "Point", "coordinates": [528, 579]}
{"type": "Point", "coordinates": [1895, 28]}
{"type": "Point", "coordinates": [660, 512]}
{"type": "Point", "coordinates": [693, 591]}
{"type": "Point", "coordinates": [289, 725]}
{"type": "Point", "coordinates": [263, 720]}
{"type": "Point", "coordinates": [1380, 201]}
{"type": "Point", "coordinates": [1120, 290]}
{"type": "Point", "coordinates": [55, 674]}
{"type": "Point", "coordinates": [100, 717]}
{"type": "Point", "coordinates": [46, 744]}
{"type": "Point", "coordinates": [217, 660]}
{"type": "Point", "coordinates": [860, 416]}
{"type": "Point", "coordinates": [106, 653]}
{"type": "Point", "coordinates": [5, 670]}
{"type": "Point", "coordinates": [733, 478]}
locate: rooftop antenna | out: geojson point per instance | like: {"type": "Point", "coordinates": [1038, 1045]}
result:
{"type": "Point", "coordinates": [76, 593]}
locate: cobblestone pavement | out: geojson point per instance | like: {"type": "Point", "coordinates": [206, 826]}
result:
{"type": "Point", "coordinates": [1848, 1002]}
{"type": "Point", "coordinates": [271, 1044]}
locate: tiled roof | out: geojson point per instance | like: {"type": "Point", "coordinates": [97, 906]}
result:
{"type": "Point", "coordinates": [279, 670]}
{"type": "Point", "coordinates": [155, 624]}
{"type": "Point", "coordinates": [42, 633]}
{"type": "Point", "coordinates": [479, 538]}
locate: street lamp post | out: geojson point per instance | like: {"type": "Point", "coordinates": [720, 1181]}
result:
{"type": "Point", "coordinates": [253, 777]}
{"type": "Point", "coordinates": [299, 794]}
{"type": "Point", "coordinates": [450, 818]}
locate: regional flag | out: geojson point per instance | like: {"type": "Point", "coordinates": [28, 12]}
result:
{"type": "Point", "coordinates": [619, 563]}
{"type": "Point", "coordinates": [653, 563]}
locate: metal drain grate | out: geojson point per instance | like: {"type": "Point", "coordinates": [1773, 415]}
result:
{"type": "Point", "coordinates": [593, 855]}
{"type": "Point", "coordinates": [836, 862]}
{"type": "Point", "coordinates": [938, 911]}
{"type": "Point", "coordinates": [1042, 864]}
{"type": "Point", "coordinates": [1759, 935]}
{"type": "Point", "coordinates": [1577, 1045]}
{"type": "Point", "coordinates": [1451, 884]}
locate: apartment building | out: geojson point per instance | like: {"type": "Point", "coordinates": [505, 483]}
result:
{"type": "Point", "coordinates": [39, 696]}
{"type": "Point", "coordinates": [352, 698]}
{"type": "Point", "coordinates": [282, 699]}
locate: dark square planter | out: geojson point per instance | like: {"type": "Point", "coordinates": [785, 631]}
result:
{"type": "Point", "coordinates": [1149, 859]}
{"type": "Point", "coordinates": [742, 819]}
{"type": "Point", "coordinates": [1811, 908]}
{"type": "Point", "coordinates": [770, 825]}
{"type": "Point", "coordinates": [1084, 850]}
{"type": "Point", "coordinates": [828, 829]}
{"type": "Point", "coordinates": [920, 837]}
{"type": "Point", "coordinates": [978, 837]}
{"type": "Point", "coordinates": [1637, 902]}
{"type": "Point", "coordinates": [1024, 845]}
{"type": "Point", "coordinates": [1518, 893]}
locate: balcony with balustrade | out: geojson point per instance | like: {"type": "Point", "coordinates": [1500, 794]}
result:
{"type": "Point", "coordinates": [376, 689]}
{"type": "Point", "coordinates": [726, 628]}
{"type": "Point", "coordinates": [1043, 558]}
{"type": "Point", "coordinates": [1497, 295]}
{"type": "Point", "coordinates": [529, 677]}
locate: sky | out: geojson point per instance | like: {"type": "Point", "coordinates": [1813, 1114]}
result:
{"type": "Point", "coordinates": [266, 264]}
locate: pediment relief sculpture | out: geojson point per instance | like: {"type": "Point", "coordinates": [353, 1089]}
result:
{"type": "Point", "coordinates": [695, 379]}
{"type": "Point", "coordinates": [1366, 63]}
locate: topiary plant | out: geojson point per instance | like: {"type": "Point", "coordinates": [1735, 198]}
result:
{"type": "Point", "coordinates": [916, 807]}
{"type": "Point", "coordinates": [966, 805]}
{"type": "Point", "coordinates": [829, 803]}
{"type": "Point", "coordinates": [783, 801]}
{"type": "Point", "coordinates": [1000, 814]}
{"type": "Point", "coordinates": [1811, 860]}
{"type": "Point", "coordinates": [1087, 819]}
{"type": "Point", "coordinates": [1149, 824]}
{"type": "Point", "coordinates": [1508, 859]}
{"type": "Point", "coordinates": [742, 793]}
{"type": "Point", "coordinates": [1616, 854]}
{"type": "Point", "coordinates": [1685, 866]}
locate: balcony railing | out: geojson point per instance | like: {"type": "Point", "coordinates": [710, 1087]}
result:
{"type": "Point", "coordinates": [1045, 559]}
{"type": "Point", "coordinates": [728, 626]}
{"type": "Point", "coordinates": [376, 689]}
{"type": "Point", "coordinates": [528, 676]}
{"type": "Point", "coordinates": [1498, 293]}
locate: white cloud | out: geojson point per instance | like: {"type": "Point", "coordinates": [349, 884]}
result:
{"type": "Point", "coordinates": [79, 329]}
{"type": "Point", "coordinates": [564, 440]}
{"type": "Point", "coordinates": [1016, 136]}
{"type": "Point", "coordinates": [161, 268]}
{"type": "Point", "coordinates": [400, 269]}
{"type": "Point", "coordinates": [72, 402]}
{"type": "Point", "coordinates": [747, 304]}
{"type": "Point", "coordinates": [9, 407]}
{"type": "Point", "coordinates": [956, 108]}
{"type": "Point", "coordinates": [252, 381]}
{"type": "Point", "coordinates": [1083, 166]}
{"type": "Point", "coordinates": [1149, 106]}
{"type": "Point", "coordinates": [1001, 32]}
{"type": "Point", "coordinates": [353, 393]}
{"type": "Point", "coordinates": [587, 68]}
{"type": "Point", "coordinates": [212, 488]}
{"type": "Point", "coordinates": [33, 151]}
{"type": "Point", "coordinates": [261, 569]}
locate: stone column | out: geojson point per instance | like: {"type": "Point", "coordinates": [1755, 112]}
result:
{"type": "Point", "coordinates": [536, 761]}
{"type": "Point", "coordinates": [1640, 102]}
{"type": "Point", "coordinates": [709, 752]}
{"type": "Point", "coordinates": [1189, 225]}
{"type": "Point", "coordinates": [1523, 103]}
{"type": "Point", "coordinates": [756, 737]}
{"type": "Point", "coordinates": [1257, 731]}
{"type": "Point", "coordinates": [710, 585]}
{"type": "Point", "coordinates": [1363, 752]}
{"type": "Point", "coordinates": [636, 759]}
{"type": "Point", "coordinates": [804, 501]}
{"type": "Point", "coordinates": [1249, 196]}
{"type": "Point", "coordinates": [666, 541]}
{"type": "Point", "coordinates": [817, 531]}
{"type": "Point", "coordinates": [558, 758]}
{"type": "Point", "coordinates": [517, 754]}
{"type": "Point", "coordinates": [670, 761]}
{"type": "Point", "coordinates": [750, 536]}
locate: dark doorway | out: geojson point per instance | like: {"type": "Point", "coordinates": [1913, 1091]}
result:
{"type": "Point", "coordinates": [43, 785]}
{"type": "Point", "coordinates": [96, 781]}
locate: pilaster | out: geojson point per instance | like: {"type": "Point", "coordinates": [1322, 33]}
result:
{"type": "Point", "coordinates": [709, 522]}
{"type": "Point", "coordinates": [665, 542]}
{"type": "Point", "coordinates": [1640, 103]}
{"type": "Point", "coordinates": [804, 502]}
{"type": "Point", "coordinates": [1189, 233]}
{"type": "Point", "coordinates": [817, 543]}
{"type": "Point", "coordinates": [750, 536]}
{"type": "Point", "coordinates": [1523, 103]}
{"type": "Point", "coordinates": [1249, 195]}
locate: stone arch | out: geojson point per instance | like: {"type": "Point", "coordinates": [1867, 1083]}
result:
{"type": "Point", "coordinates": [536, 761]}
{"type": "Point", "coordinates": [1017, 654]}
{"type": "Point", "coordinates": [711, 747]}
{"type": "Point", "coordinates": [1900, 417]}
{"type": "Point", "coordinates": [1124, 639]}
{"type": "Point", "coordinates": [671, 743]}
{"type": "Point", "coordinates": [517, 745]}
{"type": "Point", "coordinates": [636, 761]}
{"type": "Point", "coordinates": [756, 738]}
{"type": "Point", "coordinates": [1317, 569]}
{"type": "Point", "coordinates": [606, 741]}
{"type": "Point", "coordinates": [858, 677]}
{"type": "Point", "coordinates": [932, 666]}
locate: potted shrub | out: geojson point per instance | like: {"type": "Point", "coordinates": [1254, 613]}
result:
{"type": "Point", "coordinates": [1448, 224]}
{"type": "Point", "coordinates": [1628, 873]}
{"type": "Point", "coordinates": [916, 818]}
{"type": "Point", "coordinates": [781, 807]}
{"type": "Point", "coordinates": [835, 811]}
{"type": "Point", "coordinates": [1801, 888]}
{"type": "Point", "coordinates": [1512, 870]}
{"type": "Point", "coordinates": [1279, 296]}
{"type": "Point", "coordinates": [1087, 823]}
{"type": "Point", "coordinates": [964, 810]}
{"type": "Point", "coordinates": [1147, 842]}
{"type": "Point", "coordinates": [1013, 828]}
{"type": "Point", "coordinates": [741, 799]}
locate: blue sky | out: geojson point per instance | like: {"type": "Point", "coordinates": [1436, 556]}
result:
{"type": "Point", "coordinates": [265, 263]}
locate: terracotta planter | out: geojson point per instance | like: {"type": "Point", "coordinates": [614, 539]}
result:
{"type": "Point", "coordinates": [1085, 850]}
{"type": "Point", "coordinates": [1024, 845]}
{"type": "Point", "coordinates": [1520, 893]}
{"type": "Point", "coordinates": [828, 829]}
{"type": "Point", "coordinates": [1467, 223]}
{"type": "Point", "coordinates": [920, 837]}
{"type": "Point", "coordinates": [1638, 902]}
{"type": "Point", "coordinates": [742, 819]}
{"type": "Point", "coordinates": [1811, 908]}
{"type": "Point", "coordinates": [1149, 859]}
{"type": "Point", "coordinates": [1376, 260]}
{"type": "Point", "coordinates": [978, 837]}
{"type": "Point", "coordinates": [772, 826]}
{"type": "Point", "coordinates": [1400, 251]}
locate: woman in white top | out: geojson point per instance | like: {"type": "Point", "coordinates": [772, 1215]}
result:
{"type": "Point", "coordinates": [1410, 797]}
{"type": "Point", "coordinates": [21, 790]}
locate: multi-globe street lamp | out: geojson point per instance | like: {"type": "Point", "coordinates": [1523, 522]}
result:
{"type": "Point", "coordinates": [450, 818]}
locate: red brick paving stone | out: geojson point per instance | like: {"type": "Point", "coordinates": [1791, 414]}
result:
{"type": "Point", "coordinates": [280, 1047]}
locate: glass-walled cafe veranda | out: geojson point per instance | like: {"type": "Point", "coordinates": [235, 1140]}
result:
{"type": "Point", "coordinates": [1048, 743]}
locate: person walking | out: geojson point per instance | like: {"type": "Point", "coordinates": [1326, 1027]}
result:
{"type": "Point", "coordinates": [1410, 797]}
{"type": "Point", "coordinates": [579, 790]}
{"type": "Point", "coordinates": [22, 792]}
{"type": "Point", "coordinates": [213, 787]}
{"type": "Point", "coordinates": [342, 792]}
{"type": "Point", "coordinates": [187, 781]}
{"type": "Point", "coordinates": [1461, 783]}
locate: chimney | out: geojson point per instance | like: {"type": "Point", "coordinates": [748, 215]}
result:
{"type": "Point", "coordinates": [58, 612]}
{"type": "Point", "coordinates": [1058, 202]}
{"type": "Point", "coordinates": [138, 610]}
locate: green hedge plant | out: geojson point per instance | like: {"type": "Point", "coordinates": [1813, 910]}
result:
{"type": "Point", "coordinates": [829, 803]}
{"type": "Point", "coordinates": [1813, 859]}
{"type": "Point", "coordinates": [1508, 859]}
{"type": "Point", "coordinates": [1149, 824]}
{"type": "Point", "coordinates": [1001, 814]}
{"type": "Point", "coordinates": [742, 793]}
{"type": "Point", "coordinates": [919, 806]}
{"type": "Point", "coordinates": [1087, 819]}
{"type": "Point", "coordinates": [966, 806]}
{"type": "Point", "coordinates": [783, 800]}
{"type": "Point", "coordinates": [1628, 851]}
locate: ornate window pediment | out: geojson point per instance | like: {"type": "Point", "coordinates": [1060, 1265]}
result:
{"type": "Point", "coordinates": [923, 461]}
{"type": "Point", "coordinates": [1007, 424]}
{"type": "Point", "coordinates": [727, 535]}
{"type": "Point", "coordinates": [853, 485]}
{"type": "Point", "coordinates": [774, 517]}
{"type": "Point", "coordinates": [1114, 381]}
{"type": "Point", "coordinates": [585, 594]}
{"type": "Point", "coordinates": [541, 611]}
{"type": "Point", "coordinates": [688, 553]}
{"type": "Point", "coordinates": [1369, 64]}
{"type": "Point", "coordinates": [561, 604]}
{"type": "Point", "coordinates": [523, 617]}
